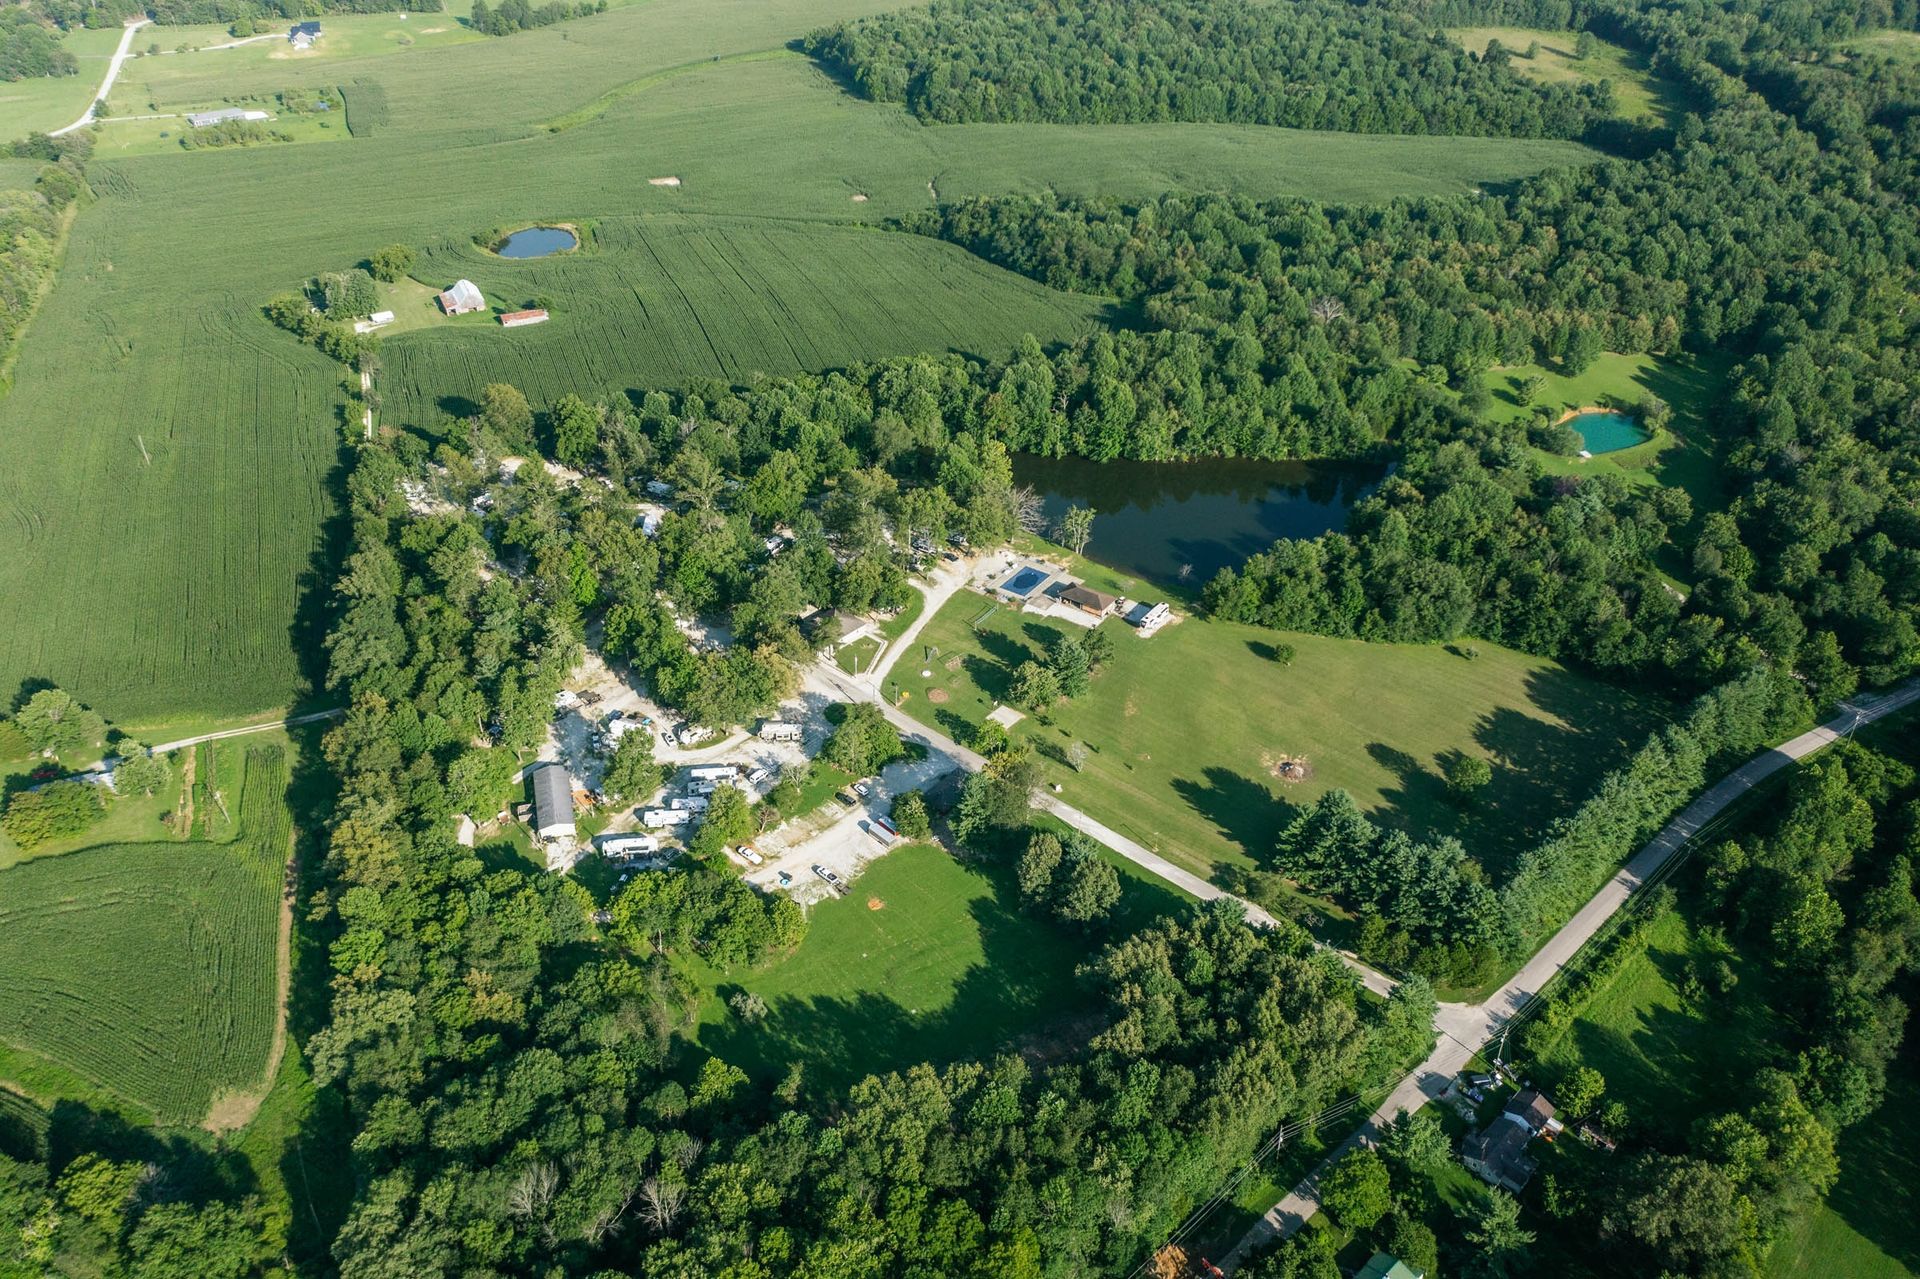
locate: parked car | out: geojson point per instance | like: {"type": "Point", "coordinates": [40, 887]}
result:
{"type": "Point", "coordinates": [862, 789]}
{"type": "Point", "coordinates": [844, 798]}
{"type": "Point", "coordinates": [753, 858]}
{"type": "Point", "coordinates": [833, 880]}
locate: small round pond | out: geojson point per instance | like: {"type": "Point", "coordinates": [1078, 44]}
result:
{"type": "Point", "coordinates": [537, 242]}
{"type": "Point", "coordinates": [1606, 431]}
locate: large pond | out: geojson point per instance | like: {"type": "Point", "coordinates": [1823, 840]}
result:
{"type": "Point", "coordinates": [1185, 521]}
{"type": "Point", "coordinates": [537, 242]}
{"type": "Point", "coordinates": [1606, 431]}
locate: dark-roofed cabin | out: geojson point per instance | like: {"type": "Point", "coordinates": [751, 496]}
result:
{"type": "Point", "coordinates": [1088, 600]}
{"type": "Point", "coordinates": [1532, 1108]}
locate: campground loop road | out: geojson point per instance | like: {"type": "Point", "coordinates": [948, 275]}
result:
{"type": "Point", "coordinates": [1464, 1029]}
{"type": "Point", "coordinates": [118, 60]}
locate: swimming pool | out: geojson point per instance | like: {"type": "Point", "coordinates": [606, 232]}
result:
{"type": "Point", "coordinates": [1606, 431]}
{"type": "Point", "coordinates": [1023, 582]}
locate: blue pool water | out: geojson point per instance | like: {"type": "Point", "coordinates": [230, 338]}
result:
{"type": "Point", "coordinates": [1606, 431]}
{"type": "Point", "coordinates": [537, 242]}
{"type": "Point", "coordinates": [1023, 582]}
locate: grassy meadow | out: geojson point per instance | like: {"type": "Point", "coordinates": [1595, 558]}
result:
{"type": "Point", "coordinates": [1187, 729]}
{"type": "Point", "coordinates": [144, 974]}
{"type": "Point", "coordinates": [1638, 94]}
{"type": "Point", "coordinates": [173, 455]}
{"type": "Point", "coordinates": [926, 959]}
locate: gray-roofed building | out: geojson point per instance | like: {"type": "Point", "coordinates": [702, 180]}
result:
{"type": "Point", "coordinates": [203, 119]}
{"type": "Point", "coordinates": [1498, 1153]}
{"type": "Point", "coordinates": [463, 297]}
{"type": "Point", "coordinates": [553, 803]}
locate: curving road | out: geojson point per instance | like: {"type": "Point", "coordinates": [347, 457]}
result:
{"type": "Point", "coordinates": [119, 59]}
{"type": "Point", "coordinates": [1464, 1028]}
{"type": "Point", "coordinates": [946, 583]}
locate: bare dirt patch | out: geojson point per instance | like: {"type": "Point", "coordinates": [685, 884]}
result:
{"type": "Point", "coordinates": [1291, 769]}
{"type": "Point", "coordinates": [937, 695]}
{"type": "Point", "coordinates": [859, 197]}
{"type": "Point", "coordinates": [663, 182]}
{"type": "Point", "coordinates": [876, 903]}
{"type": "Point", "coordinates": [955, 663]}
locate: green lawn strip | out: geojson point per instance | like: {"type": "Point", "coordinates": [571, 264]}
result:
{"type": "Point", "coordinates": [1186, 729]}
{"type": "Point", "coordinates": [894, 627]}
{"type": "Point", "coordinates": [949, 966]}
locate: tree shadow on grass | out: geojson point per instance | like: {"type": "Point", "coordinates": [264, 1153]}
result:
{"type": "Point", "coordinates": [991, 677]}
{"type": "Point", "coordinates": [1003, 649]}
{"type": "Point", "coordinates": [1242, 809]}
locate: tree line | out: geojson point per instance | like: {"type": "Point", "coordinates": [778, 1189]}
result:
{"type": "Point", "coordinates": [1313, 65]}
{"type": "Point", "coordinates": [30, 46]}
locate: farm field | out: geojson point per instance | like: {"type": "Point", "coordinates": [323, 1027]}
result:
{"type": "Point", "coordinates": [1638, 93]}
{"type": "Point", "coordinates": [150, 393]}
{"type": "Point", "coordinates": [948, 966]}
{"type": "Point", "coordinates": [145, 973]}
{"type": "Point", "coordinates": [1186, 728]}
{"type": "Point", "coordinates": [654, 299]}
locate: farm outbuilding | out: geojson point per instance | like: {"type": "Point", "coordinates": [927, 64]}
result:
{"type": "Point", "coordinates": [462, 298]}
{"type": "Point", "coordinates": [520, 319]}
{"type": "Point", "coordinates": [206, 119]}
{"type": "Point", "coordinates": [303, 34]}
{"type": "Point", "coordinates": [553, 803]}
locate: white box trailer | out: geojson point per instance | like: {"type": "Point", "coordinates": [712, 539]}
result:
{"type": "Point", "coordinates": [714, 772]}
{"type": "Point", "coordinates": [657, 817]}
{"type": "Point", "coordinates": [776, 730]}
{"type": "Point", "coordinates": [628, 845]}
{"type": "Point", "coordinates": [688, 803]}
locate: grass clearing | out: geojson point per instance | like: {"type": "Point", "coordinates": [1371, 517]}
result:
{"type": "Point", "coordinates": [146, 972]}
{"type": "Point", "coordinates": [858, 656]}
{"type": "Point", "coordinates": [1638, 93]}
{"type": "Point", "coordinates": [1185, 728]}
{"type": "Point", "coordinates": [42, 103]}
{"type": "Point", "coordinates": [949, 967]}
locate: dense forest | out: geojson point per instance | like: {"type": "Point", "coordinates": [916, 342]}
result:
{"type": "Point", "coordinates": [1318, 64]}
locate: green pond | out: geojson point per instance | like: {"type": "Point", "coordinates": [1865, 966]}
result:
{"type": "Point", "coordinates": [1607, 431]}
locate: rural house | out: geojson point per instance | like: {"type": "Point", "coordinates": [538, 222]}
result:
{"type": "Point", "coordinates": [1497, 1153]}
{"type": "Point", "coordinates": [462, 298]}
{"type": "Point", "coordinates": [303, 35]}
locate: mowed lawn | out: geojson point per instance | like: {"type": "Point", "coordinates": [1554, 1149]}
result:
{"type": "Point", "coordinates": [1187, 729]}
{"type": "Point", "coordinates": [41, 103]}
{"type": "Point", "coordinates": [146, 972]}
{"type": "Point", "coordinates": [925, 959]}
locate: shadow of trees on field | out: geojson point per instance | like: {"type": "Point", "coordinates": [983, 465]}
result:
{"type": "Point", "coordinates": [1242, 809]}
{"type": "Point", "coordinates": [1026, 975]}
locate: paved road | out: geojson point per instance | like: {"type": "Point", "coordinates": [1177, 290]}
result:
{"type": "Point", "coordinates": [113, 73]}
{"type": "Point", "coordinates": [1464, 1028]}
{"type": "Point", "coordinates": [292, 722]}
{"type": "Point", "coordinates": [830, 679]}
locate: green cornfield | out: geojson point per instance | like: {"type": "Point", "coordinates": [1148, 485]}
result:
{"type": "Point", "coordinates": [150, 969]}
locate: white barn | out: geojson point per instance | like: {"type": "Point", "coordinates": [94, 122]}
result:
{"type": "Point", "coordinates": [462, 298]}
